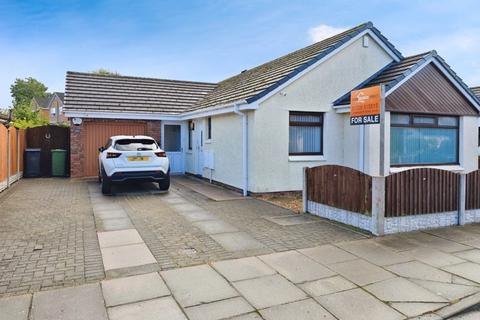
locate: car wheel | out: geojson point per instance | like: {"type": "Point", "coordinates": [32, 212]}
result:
{"type": "Point", "coordinates": [106, 186]}
{"type": "Point", "coordinates": [164, 185]}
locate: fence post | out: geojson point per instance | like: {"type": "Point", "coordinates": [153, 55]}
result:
{"type": "Point", "coordinates": [304, 190]}
{"type": "Point", "coordinates": [462, 198]}
{"type": "Point", "coordinates": [378, 206]}
{"type": "Point", "coordinates": [8, 157]}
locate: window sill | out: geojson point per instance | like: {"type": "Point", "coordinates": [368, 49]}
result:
{"type": "Point", "coordinates": [306, 158]}
{"type": "Point", "coordinates": [189, 152]}
{"type": "Point", "coordinates": [453, 167]}
{"type": "Point", "coordinates": [208, 141]}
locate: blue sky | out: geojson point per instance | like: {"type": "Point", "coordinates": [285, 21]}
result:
{"type": "Point", "coordinates": [210, 40]}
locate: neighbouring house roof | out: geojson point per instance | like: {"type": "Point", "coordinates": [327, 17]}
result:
{"type": "Point", "coordinates": [44, 102]}
{"type": "Point", "coordinates": [476, 91]}
{"type": "Point", "coordinates": [108, 93]}
{"type": "Point", "coordinates": [395, 72]}
{"type": "Point", "coordinates": [255, 83]}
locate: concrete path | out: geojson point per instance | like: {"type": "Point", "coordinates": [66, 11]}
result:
{"type": "Point", "coordinates": [210, 191]}
{"type": "Point", "coordinates": [410, 276]}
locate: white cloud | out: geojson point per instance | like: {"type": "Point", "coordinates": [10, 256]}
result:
{"type": "Point", "coordinates": [324, 31]}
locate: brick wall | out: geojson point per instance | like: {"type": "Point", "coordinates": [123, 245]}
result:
{"type": "Point", "coordinates": [78, 138]}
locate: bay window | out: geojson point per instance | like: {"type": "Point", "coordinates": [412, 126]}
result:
{"type": "Point", "coordinates": [306, 133]}
{"type": "Point", "coordinates": [423, 140]}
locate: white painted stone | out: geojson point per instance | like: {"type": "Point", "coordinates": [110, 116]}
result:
{"type": "Point", "coordinates": [336, 214]}
{"type": "Point", "coordinates": [420, 222]}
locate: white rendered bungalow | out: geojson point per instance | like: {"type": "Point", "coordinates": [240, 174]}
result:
{"type": "Point", "coordinates": [257, 130]}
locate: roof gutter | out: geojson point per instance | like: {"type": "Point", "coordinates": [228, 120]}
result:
{"type": "Point", "coordinates": [236, 109]}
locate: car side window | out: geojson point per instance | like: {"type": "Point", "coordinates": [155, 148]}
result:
{"type": "Point", "coordinates": [109, 143]}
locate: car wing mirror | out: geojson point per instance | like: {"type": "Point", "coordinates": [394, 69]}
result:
{"type": "Point", "coordinates": [101, 149]}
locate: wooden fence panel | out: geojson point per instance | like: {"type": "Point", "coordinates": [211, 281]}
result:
{"type": "Point", "coordinates": [22, 143]}
{"type": "Point", "coordinates": [340, 187]}
{"type": "Point", "coordinates": [13, 151]}
{"type": "Point", "coordinates": [3, 154]}
{"type": "Point", "coordinates": [472, 181]}
{"type": "Point", "coordinates": [421, 191]}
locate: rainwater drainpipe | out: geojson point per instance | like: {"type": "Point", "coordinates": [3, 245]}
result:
{"type": "Point", "coordinates": [244, 147]}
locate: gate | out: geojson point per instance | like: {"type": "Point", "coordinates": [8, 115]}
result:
{"type": "Point", "coordinates": [48, 138]}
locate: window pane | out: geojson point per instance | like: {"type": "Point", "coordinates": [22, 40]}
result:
{"type": "Point", "coordinates": [305, 118]}
{"type": "Point", "coordinates": [400, 119]}
{"type": "Point", "coordinates": [448, 121]}
{"type": "Point", "coordinates": [172, 138]}
{"type": "Point", "coordinates": [423, 120]}
{"type": "Point", "coordinates": [135, 145]}
{"type": "Point", "coordinates": [423, 145]}
{"type": "Point", "coordinates": [305, 139]}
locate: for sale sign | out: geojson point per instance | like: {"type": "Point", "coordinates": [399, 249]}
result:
{"type": "Point", "coordinates": [365, 106]}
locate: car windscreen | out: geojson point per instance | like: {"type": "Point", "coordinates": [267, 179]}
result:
{"type": "Point", "coordinates": [135, 145]}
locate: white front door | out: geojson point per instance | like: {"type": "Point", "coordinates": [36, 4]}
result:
{"type": "Point", "coordinates": [172, 144]}
{"type": "Point", "coordinates": [199, 146]}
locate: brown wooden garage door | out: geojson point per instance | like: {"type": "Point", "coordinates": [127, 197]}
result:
{"type": "Point", "coordinates": [97, 134]}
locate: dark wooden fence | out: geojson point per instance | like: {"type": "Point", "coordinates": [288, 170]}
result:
{"type": "Point", "coordinates": [48, 138]}
{"type": "Point", "coordinates": [421, 191]}
{"type": "Point", "coordinates": [472, 190]}
{"type": "Point", "coordinates": [340, 187]}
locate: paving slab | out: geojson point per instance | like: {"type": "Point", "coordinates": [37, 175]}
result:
{"type": "Point", "coordinates": [198, 215]}
{"type": "Point", "coordinates": [419, 270]}
{"type": "Point", "coordinates": [293, 219]}
{"type": "Point", "coordinates": [249, 316]}
{"type": "Point", "coordinates": [398, 243]}
{"type": "Point", "coordinates": [219, 309]}
{"type": "Point", "coordinates": [133, 289]}
{"type": "Point", "coordinates": [306, 310]}
{"type": "Point", "coordinates": [185, 207]}
{"type": "Point", "coordinates": [463, 281]}
{"type": "Point", "coordinates": [361, 272]}
{"type": "Point", "coordinates": [433, 257]}
{"type": "Point", "coordinates": [373, 252]}
{"type": "Point", "coordinates": [15, 308]}
{"type": "Point", "coordinates": [455, 308]}
{"type": "Point", "coordinates": [76, 303]}
{"type": "Point", "coordinates": [402, 290]}
{"type": "Point", "coordinates": [458, 234]}
{"type": "Point", "coordinates": [471, 255]}
{"type": "Point", "coordinates": [196, 285]}
{"type": "Point", "coordinates": [114, 224]}
{"type": "Point", "coordinates": [327, 286]}
{"type": "Point", "coordinates": [356, 304]}
{"type": "Point", "coordinates": [106, 206]}
{"type": "Point", "coordinates": [118, 238]}
{"type": "Point", "coordinates": [449, 291]}
{"type": "Point", "coordinates": [158, 309]}
{"type": "Point", "coordinates": [269, 291]}
{"type": "Point", "coordinates": [413, 309]}
{"type": "Point", "coordinates": [327, 254]}
{"type": "Point", "coordinates": [126, 256]}
{"type": "Point", "coordinates": [296, 267]}
{"type": "Point", "coordinates": [468, 270]}
{"type": "Point", "coordinates": [110, 214]}
{"type": "Point", "coordinates": [431, 241]}
{"type": "Point", "coordinates": [242, 269]}
{"type": "Point", "coordinates": [237, 241]}
{"type": "Point", "coordinates": [215, 226]}
{"type": "Point", "coordinates": [175, 200]}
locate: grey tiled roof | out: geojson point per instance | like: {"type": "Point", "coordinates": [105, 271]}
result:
{"type": "Point", "coordinates": [397, 71]}
{"type": "Point", "coordinates": [44, 102]}
{"type": "Point", "coordinates": [252, 84]}
{"type": "Point", "coordinates": [99, 93]}
{"type": "Point", "coordinates": [61, 96]}
{"type": "Point", "coordinates": [476, 91]}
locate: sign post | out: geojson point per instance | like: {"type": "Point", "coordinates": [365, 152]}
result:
{"type": "Point", "coordinates": [365, 109]}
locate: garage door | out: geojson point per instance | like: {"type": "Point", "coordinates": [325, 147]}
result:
{"type": "Point", "coordinates": [97, 134]}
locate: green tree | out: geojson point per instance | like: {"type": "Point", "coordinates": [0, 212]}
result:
{"type": "Point", "coordinates": [23, 91]}
{"type": "Point", "coordinates": [105, 72]}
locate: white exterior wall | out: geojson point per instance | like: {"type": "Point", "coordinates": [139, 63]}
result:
{"type": "Point", "coordinates": [273, 169]}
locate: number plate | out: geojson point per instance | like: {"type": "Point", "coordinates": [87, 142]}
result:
{"type": "Point", "coordinates": [137, 158]}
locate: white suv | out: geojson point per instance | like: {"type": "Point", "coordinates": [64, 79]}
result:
{"type": "Point", "coordinates": [127, 158]}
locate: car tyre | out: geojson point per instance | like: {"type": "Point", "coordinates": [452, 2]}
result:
{"type": "Point", "coordinates": [106, 187]}
{"type": "Point", "coordinates": [164, 185]}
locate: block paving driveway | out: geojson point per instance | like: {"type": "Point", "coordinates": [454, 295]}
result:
{"type": "Point", "coordinates": [67, 252]}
